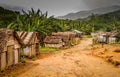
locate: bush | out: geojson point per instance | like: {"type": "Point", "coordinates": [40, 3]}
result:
{"type": "Point", "coordinates": [48, 49]}
{"type": "Point", "coordinates": [23, 59]}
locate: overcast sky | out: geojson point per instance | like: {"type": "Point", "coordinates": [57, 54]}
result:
{"type": "Point", "coordinates": [61, 7]}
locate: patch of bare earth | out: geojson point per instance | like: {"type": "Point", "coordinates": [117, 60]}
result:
{"type": "Point", "coordinates": [73, 62]}
{"type": "Point", "coordinates": [111, 53]}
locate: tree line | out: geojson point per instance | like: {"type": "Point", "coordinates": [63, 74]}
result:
{"type": "Point", "coordinates": [38, 21]}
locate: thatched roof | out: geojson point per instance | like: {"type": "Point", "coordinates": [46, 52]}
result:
{"type": "Point", "coordinates": [2, 39]}
{"type": "Point", "coordinates": [27, 36]}
{"type": "Point", "coordinates": [5, 34]}
{"type": "Point", "coordinates": [53, 40]}
{"type": "Point", "coordinates": [59, 37]}
{"type": "Point", "coordinates": [64, 34]}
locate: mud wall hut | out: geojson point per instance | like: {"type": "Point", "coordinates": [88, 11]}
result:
{"type": "Point", "coordinates": [9, 48]}
{"type": "Point", "coordinates": [31, 43]}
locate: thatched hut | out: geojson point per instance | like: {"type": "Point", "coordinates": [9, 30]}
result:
{"type": "Point", "coordinates": [59, 39]}
{"type": "Point", "coordinates": [31, 43]}
{"type": "Point", "coordinates": [53, 41]}
{"type": "Point", "coordinates": [9, 48]}
{"type": "Point", "coordinates": [66, 36]}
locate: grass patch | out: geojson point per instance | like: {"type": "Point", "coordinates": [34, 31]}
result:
{"type": "Point", "coordinates": [48, 50]}
{"type": "Point", "coordinates": [23, 59]}
{"type": "Point", "coordinates": [87, 36]}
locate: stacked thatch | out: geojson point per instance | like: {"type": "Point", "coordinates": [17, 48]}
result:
{"type": "Point", "coordinates": [2, 40]}
{"type": "Point", "coordinates": [53, 41]}
{"type": "Point", "coordinates": [59, 39]}
{"type": "Point", "coordinates": [66, 36]}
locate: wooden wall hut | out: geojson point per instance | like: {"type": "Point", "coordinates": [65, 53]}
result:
{"type": "Point", "coordinates": [59, 39]}
{"type": "Point", "coordinates": [31, 42]}
{"type": "Point", "coordinates": [9, 48]}
{"type": "Point", "coordinates": [107, 37]}
{"type": "Point", "coordinates": [112, 38]}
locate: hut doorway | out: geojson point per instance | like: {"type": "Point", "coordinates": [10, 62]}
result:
{"type": "Point", "coordinates": [10, 55]}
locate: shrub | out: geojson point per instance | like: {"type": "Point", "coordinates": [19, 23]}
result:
{"type": "Point", "coordinates": [23, 59]}
{"type": "Point", "coordinates": [48, 49]}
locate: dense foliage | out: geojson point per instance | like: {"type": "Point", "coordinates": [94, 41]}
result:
{"type": "Point", "coordinates": [37, 21]}
{"type": "Point", "coordinates": [6, 17]}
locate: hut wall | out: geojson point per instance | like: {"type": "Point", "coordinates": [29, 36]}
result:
{"type": "Point", "coordinates": [32, 46]}
{"type": "Point", "coordinates": [54, 45]}
{"type": "Point", "coordinates": [37, 48]}
{"type": "Point", "coordinates": [112, 39]}
{"type": "Point", "coordinates": [26, 51]}
{"type": "Point", "coordinates": [16, 56]}
{"type": "Point", "coordinates": [33, 52]}
{"type": "Point", "coordinates": [3, 62]}
{"type": "Point", "coordinates": [10, 54]}
{"type": "Point", "coordinates": [101, 39]}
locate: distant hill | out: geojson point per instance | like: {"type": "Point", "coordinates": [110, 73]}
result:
{"type": "Point", "coordinates": [13, 8]}
{"type": "Point", "coordinates": [7, 16]}
{"type": "Point", "coordinates": [85, 14]}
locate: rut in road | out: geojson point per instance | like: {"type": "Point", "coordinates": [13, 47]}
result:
{"type": "Point", "coordinates": [72, 62]}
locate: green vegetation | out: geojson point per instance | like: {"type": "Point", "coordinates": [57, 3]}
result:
{"type": "Point", "coordinates": [48, 50]}
{"type": "Point", "coordinates": [37, 21]}
{"type": "Point", "coordinates": [7, 17]}
{"type": "Point", "coordinates": [23, 59]}
{"type": "Point", "coordinates": [87, 36]}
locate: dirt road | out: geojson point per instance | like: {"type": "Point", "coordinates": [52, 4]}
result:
{"type": "Point", "coordinates": [73, 62]}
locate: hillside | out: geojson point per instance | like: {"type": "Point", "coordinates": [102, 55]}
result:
{"type": "Point", "coordinates": [7, 16]}
{"type": "Point", "coordinates": [85, 14]}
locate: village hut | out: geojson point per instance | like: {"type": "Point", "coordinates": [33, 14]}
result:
{"type": "Point", "coordinates": [31, 43]}
{"type": "Point", "coordinates": [59, 39]}
{"type": "Point", "coordinates": [113, 37]}
{"type": "Point", "coordinates": [107, 37]}
{"type": "Point", "coordinates": [78, 33]}
{"type": "Point", "coordinates": [53, 41]}
{"type": "Point", "coordinates": [66, 36]}
{"type": "Point", "coordinates": [10, 47]}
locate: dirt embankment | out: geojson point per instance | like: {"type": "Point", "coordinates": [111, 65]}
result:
{"type": "Point", "coordinates": [110, 53]}
{"type": "Point", "coordinates": [73, 62]}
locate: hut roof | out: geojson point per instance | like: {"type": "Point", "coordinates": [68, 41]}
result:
{"type": "Point", "coordinates": [53, 40]}
{"type": "Point", "coordinates": [65, 35]}
{"type": "Point", "coordinates": [4, 35]}
{"type": "Point", "coordinates": [61, 33]}
{"type": "Point", "coordinates": [77, 31]}
{"type": "Point", "coordinates": [26, 36]}
{"type": "Point", "coordinates": [2, 39]}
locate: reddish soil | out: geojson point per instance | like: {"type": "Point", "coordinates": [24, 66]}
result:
{"type": "Point", "coordinates": [108, 53]}
{"type": "Point", "coordinates": [77, 61]}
